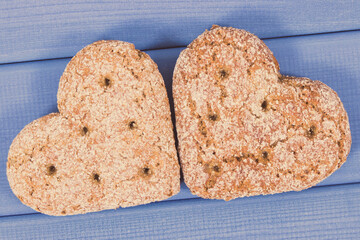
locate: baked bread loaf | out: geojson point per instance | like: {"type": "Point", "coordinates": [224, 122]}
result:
{"type": "Point", "coordinates": [111, 145]}
{"type": "Point", "coordinates": [243, 128]}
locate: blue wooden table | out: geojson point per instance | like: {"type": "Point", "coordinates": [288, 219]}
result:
{"type": "Point", "coordinates": [317, 39]}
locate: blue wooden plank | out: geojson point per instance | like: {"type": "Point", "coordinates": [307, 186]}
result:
{"type": "Point", "coordinates": [28, 91]}
{"type": "Point", "coordinates": [319, 213]}
{"type": "Point", "coordinates": [32, 30]}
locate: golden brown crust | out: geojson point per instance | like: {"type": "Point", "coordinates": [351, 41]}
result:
{"type": "Point", "coordinates": [244, 129]}
{"type": "Point", "coordinates": [112, 143]}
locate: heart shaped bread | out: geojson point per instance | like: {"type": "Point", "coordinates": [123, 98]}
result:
{"type": "Point", "coordinates": [111, 145]}
{"type": "Point", "coordinates": [243, 128]}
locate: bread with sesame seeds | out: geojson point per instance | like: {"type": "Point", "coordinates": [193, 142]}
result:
{"type": "Point", "coordinates": [243, 128]}
{"type": "Point", "coordinates": [111, 145]}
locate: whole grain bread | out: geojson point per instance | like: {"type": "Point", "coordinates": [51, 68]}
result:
{"type": "Point", "coordinates": [243, 128]}
{"type": "Point", "coordinates": [111, 145]}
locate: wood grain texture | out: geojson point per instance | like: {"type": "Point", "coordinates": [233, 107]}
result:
{"type": "Point", "coordinates": [33, 30]}
{"type": "Point", "coordinates": [318, 213]}
{"type": "Point", "coordinates": [28, 91]}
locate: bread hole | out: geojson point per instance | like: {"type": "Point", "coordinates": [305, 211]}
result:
{"type": "Point", "coordinates": [311, 132]}
{"type": "Point", "coordinates": [277, 175]}
{"type": "Point", "coordinates": [264, 105]}
{"type": "Point", "coordinates": [213, 117]}
{"type": "Point", "coordinates": [216, 168]}
{"type": "Point", "coordinates": [145, 172]}
{"type": "Point", "coordinates": [263, 158]}
{"type": "Point", "coordinates": [214, 153]}
{"type": "Point", "coordinates": [265, 154]}
{"type": "Point", "coordinates": [107, 82]}
{"type": "Point", "coordinates": [223, 73]}
{"type": "Point", "coordinates": [132, 125]}
{"type": "Point", "coordinates": [63, 212]}
{"type": "Point", "coordinates": [96, 177]}
{"type": "Point", "coordinates": [84, 131]}
{"type": "Point", "coordinates": [51, 170]}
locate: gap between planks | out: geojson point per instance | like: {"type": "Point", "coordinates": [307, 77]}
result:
{"type": "Point", "coordinates": [180, 46]}
{"type": "Point", "coordinates": [196, 197]}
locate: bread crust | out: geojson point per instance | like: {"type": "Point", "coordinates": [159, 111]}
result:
{"type": "Point", "coordinates": [111, 145]}
{"type": "Point", "coordinates": [244, 129]}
